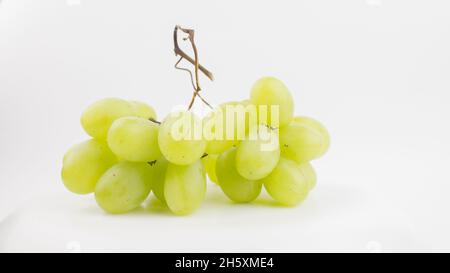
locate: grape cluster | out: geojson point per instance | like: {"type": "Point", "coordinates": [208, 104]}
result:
{"type": "Point", "coordinates": [131, 154]}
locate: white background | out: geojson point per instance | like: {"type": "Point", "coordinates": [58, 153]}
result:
{"type": "Point", "coordinates": [375, 72]}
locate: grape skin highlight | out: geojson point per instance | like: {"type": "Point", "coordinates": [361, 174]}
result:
{"type": "Point", "coordinates": [123, 187]}
{"type": "Point", "coordinates": [84, 164]}
{"type": "Point", "coordinates": [235, 187]}
{"type": "Point", "coordinates": [134, 139]}
{"type": "Point", "coordinates": [184, 187]}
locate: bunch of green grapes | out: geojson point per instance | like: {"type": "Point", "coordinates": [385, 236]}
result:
{"type": "Point", "coordinates": [242, 146]}
{"type": "Point", "coordinates": [131, 154]}
{"type": "Point", "coordinates": [274, 152]}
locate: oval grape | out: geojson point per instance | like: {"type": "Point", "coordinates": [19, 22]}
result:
{"type": "Point", "coordinates": [303, 141]}
{"type": "Point", "coordinates": [134, 139]}
{"type": "Point", "coordinates": [180, 138]}
{"type": "Point", "coordinates": [258, 154]}
{"type": "Point", "coordinates": [270, 91]}
{"type": "Point", "coordinates": [235, 187]}
{"type": "Point", "coordinates": [84, 164]}
{"type": "Point", "coordinates": [287, 184]}
{"type": "Point", "coordinates": [98, 117]}
{"type": "Point", "coordinates": [123, 187]}
{"type": "Point", "coordinates": [184, 187]}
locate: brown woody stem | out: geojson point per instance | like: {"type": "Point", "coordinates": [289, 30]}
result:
{"type": "Point", "coordinates": [195, 62]}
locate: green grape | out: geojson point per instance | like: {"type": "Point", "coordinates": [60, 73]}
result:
{"type": "Point", "coordinates": [303, 141]}
{"type": "Point", "coordinates": [83, 165]}
{"type": "Point", "coordinates": [143, 110]}
{"type": "Point", "coordinates": [180, 138]}
{"type": "Point", "coordinates": [184, 187]}
{"type": "Point", "coordinates": [236, 187]}
{"type": "Point", "coordinates": [209, 163]}
{"type": "Point", "coordinates": [270, 91]}
{"type": "Point", "coordinates": [286, 184]}
{"type": "Point", "coordinates": [99, 116]}
{"type": "Point", "coordinates": [217, 125]}
{"type": "Point", "coordinates": [316, 125]}
{"type": "Point", "coordinates": [310, 174]}
{"type": "Point", "coordinates": [158, 175]}
{"type": "Point", "coordinates": [258, 154]}
{"type": "Point", "coordinates": [251, 115]}
{"type": "Point", "coordinates": [134, 139]}
{"type": "Point", "coordinates": [228, 124]}
{"type": "Point", "coordinates": [123, 187]}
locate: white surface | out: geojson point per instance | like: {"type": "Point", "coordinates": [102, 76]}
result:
{"type": "Point", "coordinates": [376, 73]}
{"type": "Point", "coordinates": [333, 219]}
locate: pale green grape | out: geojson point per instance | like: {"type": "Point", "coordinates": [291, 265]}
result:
{"type": "Point", "coordinates": [143, 110]}
{"type": "Point", "coordinates": [303, 140]}
{"type": "Point", "coordinates": [228, 124]}
{"type": "Point", "coordinates": [184, 187]}
{"type": "Point", "coordinates": [316, 125]}
{"type": "Point", "coordinates": [258, 154]}
{"type": "Point", "coordinates": [310, 174]}
{"type": "Point", "coordinates": [158, 175]}
{"type": "Point", "coordinates": [236, 187]}
{"type": "Point", "coordinates": [123, 187]}
{"type": "Point", "coordinates": [272, 92]}
{"type": "Point", "coordinates": [217, 124]}
{"type": "Point", "coordinates": [251, 114]}
{"type": "Point", "coordinates": [99, 116]}
{"type": "Point", "coordinates": [180, 138]}
{"type": "Point", "coordinates": [287, 184]}
{"type": "Point", "coordinates": [134, 139]}
{"type": "Point", "coordinates": [209, 162]}
{"type": "Point", "coordinates": [84, 163]}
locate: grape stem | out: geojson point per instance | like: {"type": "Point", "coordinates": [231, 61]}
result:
{"type": "Point", "coordinates": [154, 121]}
{"type": "Point", "coordinates": [195, 62]}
